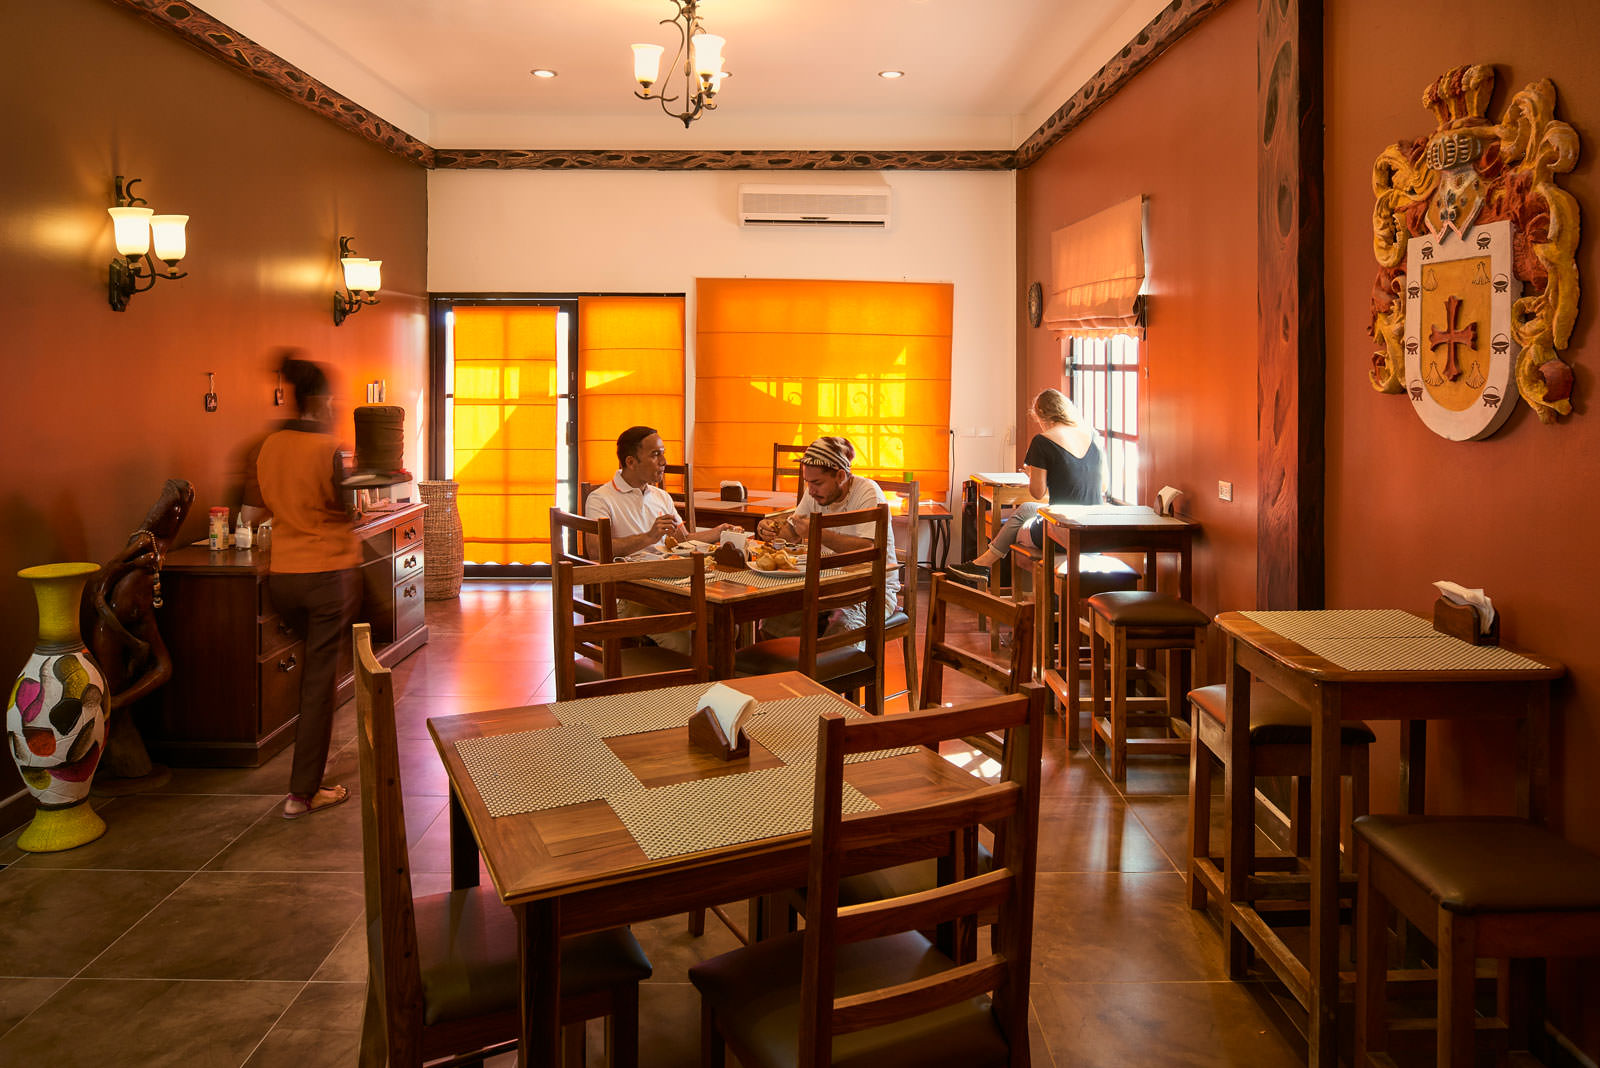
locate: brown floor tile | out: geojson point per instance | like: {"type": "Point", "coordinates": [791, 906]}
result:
{"type": "Point", "coordinates": [19, 997]}
{"type": "Point", "coordinates": [1120, 927]}
{"type": "Point", "coordinates": [92, 1023]}
{"type": "Point", "coordinates": [161, 832]}
{"type": "Point", "coordinates": [323, 841]}
{"type": "Point", "coordinates": [1172, 1024]}
{"type": "Point", "coordinates": [348, 961]}
{"type": "Point", "coordinates": [1100, 835]}
{"type": "Point", "coordinates": [61, 920]}
{"type": "Point", "coordinates": [238, 925]}
{"type": "Point", "coordinates": [322, 1029]}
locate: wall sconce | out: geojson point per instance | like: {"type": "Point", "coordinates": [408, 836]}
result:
{"type": "Point", "coordinates": [135, 225]}
{"type": "Point", "coordinates": [362, 280]}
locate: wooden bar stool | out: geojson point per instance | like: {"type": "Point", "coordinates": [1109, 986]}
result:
{"type": "Point", "coordinates": [1480, 887]}
{"type": "Point", "coordinates": [1276, 742]}
{"type": "Point", "coordinates": [1122, 623]}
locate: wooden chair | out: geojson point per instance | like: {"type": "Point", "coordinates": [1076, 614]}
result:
{"type": "Point", "coordinates": [599, 639]}
{"type": "Point", "coordinates": [578, 539]}
{"type": "Point", "coordinates": [938, 653]}
{"type": "Point", "coordinates": [833, 659]}
{"type": "Point", "coordinates": [684, 497]}
{"type": "Point", "coordinates": [902, 625]}
{"type": "Point", "coordinates": [786, 463]}
{"type": "Point", "coordinates": [861, 983]}
{"type": "Point", "coordinates": [442, 969]}
{"type": "Point", "coordinates": [1121, 624]}
{"type": "Point", "coordinates": [1275, 741]}
{"type": "Point", "coordinates": [1478, 887]}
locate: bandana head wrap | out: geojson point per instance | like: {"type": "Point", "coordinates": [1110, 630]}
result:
{"type": "Point", "coordinates": [834, 453]}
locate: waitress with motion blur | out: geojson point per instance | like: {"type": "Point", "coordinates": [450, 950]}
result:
{"type": "Point", "coordinates": [313, 582]}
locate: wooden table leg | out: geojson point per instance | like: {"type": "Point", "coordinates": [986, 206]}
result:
{"type": "Point", "coordinates": [1533, 755]}
{"type": "Point", "coordinates": [463, 848]}
{"type": "Point", "coordinates": [539, 924]}
{"type": "Point", "coordinates": [724, 633]}
{"type": "Point", "coordinates": [1414, 765]}
{"type": "Point", "coordinates": [1239, 844]}
{"type": "Point", "coordinates": [1322, 1038]}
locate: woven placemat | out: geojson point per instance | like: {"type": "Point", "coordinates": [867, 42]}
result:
{"type": "Point", "coordinates": [1437, 652]}
{"type": "Point", "coordinates": [710, 813]}
{"type": "Point", "coordinates": [763, 580]}
{"type": "Point", "coordinates": [788, 730]}
{"type": "Point", "coordinates": [532, 770]}
{"type": "Point", "coordinates": [1344, 623]}
{"type": "Point", "coordinates": [633, 713]}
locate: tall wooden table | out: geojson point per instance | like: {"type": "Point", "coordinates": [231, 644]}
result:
{"type": "Point", "coordinates": [575, 869]}
{"type": "Point", "coordinates": [1415, 685]}
{"type": "Point", "coordinates": [1078, 529]}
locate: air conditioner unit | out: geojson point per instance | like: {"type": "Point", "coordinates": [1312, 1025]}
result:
{"type": "Point", "coordinates": [814, 205]}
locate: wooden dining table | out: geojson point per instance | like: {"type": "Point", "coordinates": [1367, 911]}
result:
{"type": "Point", "coordinates": [1360, 665]}
{"type": "Point", "coordinates": [710, 509]}
{"type": "Point", "coordinates": [1072, 530]}
{"type": "Point", "coordinates": [577, 868]}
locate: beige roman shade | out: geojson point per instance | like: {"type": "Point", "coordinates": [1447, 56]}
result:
{"type": "Point", "coordinates": [1096, 273]}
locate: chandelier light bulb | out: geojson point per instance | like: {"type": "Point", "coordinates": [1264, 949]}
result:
{"type": "Point", "coordinates": [706, 55]}
{"type": "Point", "coordinates": [646, 64]}
{"type": "Point", "coordinates": [131, 227]}
{"type": "Point", "coordinates": [170, 241]}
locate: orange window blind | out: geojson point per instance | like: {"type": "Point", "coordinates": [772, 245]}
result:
{"type": "Point", "coordinates": [784, 361]}
{"type": "Point", "coordinates": [630, 373]}
{"type": "Point", "coordinates": [504, 434]}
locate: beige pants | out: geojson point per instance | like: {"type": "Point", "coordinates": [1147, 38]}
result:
{"type": "Point", "coordinates": [677, 641]}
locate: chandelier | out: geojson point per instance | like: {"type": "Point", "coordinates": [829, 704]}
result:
{"type": "Point", "coordinates": [701, 54]}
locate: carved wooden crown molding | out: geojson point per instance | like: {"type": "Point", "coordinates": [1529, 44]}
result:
{"type": "Point", "coordinates": [236, 50]}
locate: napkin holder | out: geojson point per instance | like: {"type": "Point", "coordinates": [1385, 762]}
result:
{"type": "Point", "coordinates": [706, 733]}
{"type": "Point", "coordinates": [734, 491]}
{"type": "Point", "coordinates": [1461, 621]}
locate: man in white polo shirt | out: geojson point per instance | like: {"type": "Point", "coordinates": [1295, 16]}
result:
{"type": "Point", "coordinates": [641, 512]}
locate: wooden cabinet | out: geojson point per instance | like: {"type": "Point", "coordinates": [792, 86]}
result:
{"type": "Point", "coordinates": [234, 696]}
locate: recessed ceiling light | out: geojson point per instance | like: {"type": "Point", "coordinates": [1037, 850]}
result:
{"type": "Point", "coordinates": [891, 75]}
{"type": "Point", "coordinates": [542, 72]}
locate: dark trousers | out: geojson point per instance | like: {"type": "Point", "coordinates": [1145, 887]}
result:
{"type": "Point", "coordinates": [318, 607]}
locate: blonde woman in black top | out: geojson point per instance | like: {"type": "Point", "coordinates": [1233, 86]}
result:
{"type": "Point", "coordinates": [1064, 466]}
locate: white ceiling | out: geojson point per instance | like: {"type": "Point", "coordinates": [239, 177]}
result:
{"type": "Point", "coordinates": [980, 74]}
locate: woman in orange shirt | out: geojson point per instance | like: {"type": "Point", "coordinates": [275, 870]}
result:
{"type": "Point", "coordinates": [313, 580]}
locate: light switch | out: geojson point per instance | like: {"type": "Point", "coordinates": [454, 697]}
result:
{"type": "Point", "coordinates": [1224, 491]}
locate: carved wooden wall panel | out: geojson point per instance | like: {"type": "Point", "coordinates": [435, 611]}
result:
{"type": "Point", "coordinates": [1291, 379]}
{"type": "Point", "coordinates": [720, 160]}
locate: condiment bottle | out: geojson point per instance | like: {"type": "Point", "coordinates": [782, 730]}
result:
{"type": "Point", "coordinates": [219, 528]}
{"type": "Point", "coordinates": [241, 533]}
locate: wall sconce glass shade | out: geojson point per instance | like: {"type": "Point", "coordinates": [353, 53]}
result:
{"type": "Point", "coordinates": [646, 64]}
{"type": "Point", "coordinates": [362, 280]}
{"type": "Point", "coordinates": [132, 229]}
{"type": "Point", "coordinates": [134, 226]}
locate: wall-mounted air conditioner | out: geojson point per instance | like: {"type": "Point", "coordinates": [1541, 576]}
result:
{"type": "Point", "coordinates": [814, 205]}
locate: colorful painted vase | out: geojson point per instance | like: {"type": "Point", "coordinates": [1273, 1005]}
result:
{"type": "Point", "coordinates": [56, 718]}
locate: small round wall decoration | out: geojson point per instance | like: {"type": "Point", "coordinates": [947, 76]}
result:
{"type": "Point", "coordinates": [1035, 304]}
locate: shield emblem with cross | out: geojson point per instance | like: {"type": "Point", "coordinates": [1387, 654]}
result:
{"type": "Point", "coordinates": [1459, 367]}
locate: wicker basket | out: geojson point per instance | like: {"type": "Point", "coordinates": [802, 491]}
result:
{"type": "Point", "coordinates": [441, 541]}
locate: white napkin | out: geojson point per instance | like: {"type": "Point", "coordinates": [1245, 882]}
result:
{"type": "Point", "coordinates": [1476, 599]}
{"type": "Point", "coordinates": [735, 538]}
{"type": "Point", "coordinates": [1165, 499]}
{"type": "Point", "coordinates": [730, 707]}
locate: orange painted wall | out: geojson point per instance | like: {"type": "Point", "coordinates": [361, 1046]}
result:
{"type": "Point", "coordinates": [1515, 514]}
{"type": "Point", "coordinates": [1181, 133]}
{"type": "Point", "coordinates": [101, 407]}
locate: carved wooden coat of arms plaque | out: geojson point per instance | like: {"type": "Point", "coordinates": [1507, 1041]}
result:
{"type": "Point", "coordinates": [1477, 285]}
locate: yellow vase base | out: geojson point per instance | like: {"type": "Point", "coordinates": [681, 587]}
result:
{"type": "Point", "coordinates": [56, 829]}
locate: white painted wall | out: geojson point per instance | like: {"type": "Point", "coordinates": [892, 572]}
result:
{"type": "Point", "coordinates": [657, 231]}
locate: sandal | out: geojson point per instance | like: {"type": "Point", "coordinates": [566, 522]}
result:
{"type": "Point", "coordinates": [325, 797]}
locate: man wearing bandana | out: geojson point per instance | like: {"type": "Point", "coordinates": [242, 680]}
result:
{"type": "Point", "coordinates": [830, 489]}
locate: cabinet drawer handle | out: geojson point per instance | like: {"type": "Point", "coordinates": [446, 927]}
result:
{"type": "Point", "coordinates": [287, 665]}
{"type": "Point", "coordinates": [410, 534]}
{"type": "Point", "coordinates": [284, 628]}
{"type": "Point", "coordinates": [411, 561]}
{"type": "Point", "coordinates": [410, 591]}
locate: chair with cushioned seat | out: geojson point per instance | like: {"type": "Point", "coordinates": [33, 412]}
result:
{"type": "Point", "coordinates": [1121, 624]}
{"type": "Point", "coordinates": [1276, 741]}
{"type": "Point", "coordinates": [591, 657]}
{"type": "Point", "coordinates": [1494, 887]}
{"type": "Point", "coordinates": [902, 624]}
{"type": "Point", "coordinates": [833, 659]}
{"type": "Point", "coordinates": [861, 985]}
{"type": "Point", "coordinates": [442, 969]}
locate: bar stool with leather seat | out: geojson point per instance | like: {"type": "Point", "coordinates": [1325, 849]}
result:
{"type": "Point", "coordinates": [833, 659]}
{"type": "Point", "coordinates": [1122, 623]}
{"type": "Point", "coordinates": [861, 985]}
{"type": "Point", "coordinates": [443, 978]}
{"type": "Point", "coordinates": [1494, 887]}
{"type": "Point", "coordinates": [1276, 742]}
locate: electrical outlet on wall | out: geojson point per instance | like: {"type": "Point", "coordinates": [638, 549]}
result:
{"type": "Point", "coordinates": [1224, 491]}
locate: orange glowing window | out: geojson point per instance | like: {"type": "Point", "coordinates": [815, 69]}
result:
{"type": "Point", "coordinates": [630, 373]}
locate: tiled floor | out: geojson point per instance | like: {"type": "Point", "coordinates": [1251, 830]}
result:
{"type": "Point", "coordinates": [205, 930]}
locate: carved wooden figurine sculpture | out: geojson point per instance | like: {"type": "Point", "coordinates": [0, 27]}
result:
{"type": "Point", "coordinates": [119, 624]}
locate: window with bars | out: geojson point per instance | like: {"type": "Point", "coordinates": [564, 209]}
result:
{"type": "Point", "coordinates": [1102, 375]}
